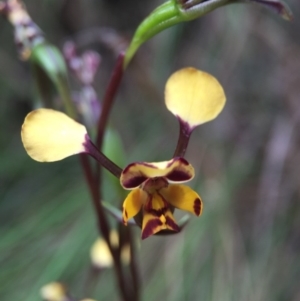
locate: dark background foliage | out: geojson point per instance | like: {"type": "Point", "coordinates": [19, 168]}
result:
{"type": "Point", "coordinates": [246, 245]}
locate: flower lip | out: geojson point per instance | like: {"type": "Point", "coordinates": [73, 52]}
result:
{"type": "Point", "coordinates": [153, 224]}
{"type": "Point", "coordinates": [177, 170]}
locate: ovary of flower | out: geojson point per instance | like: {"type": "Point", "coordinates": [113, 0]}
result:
{"type": "Point", "coordinates": [194, 96]}
{"type": "Point", "coordinates": [156, 190]}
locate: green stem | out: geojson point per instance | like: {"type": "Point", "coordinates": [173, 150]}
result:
{"type": "Point", "coordinates": [64, 91]}
{"type": "Point", "coordinates": [161, 18]}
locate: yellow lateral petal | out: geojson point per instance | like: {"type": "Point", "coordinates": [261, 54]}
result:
{"type": "Point", "coordinates": [170, 221]}
{"type": "Point", "coordinates": [183, 197]}
{"type": "Point", "coordinates": [133, 203]}
{"type": "Point", "coordinates": [49, 135]}
{"type": "Point", "coordinates": [176, 170]}
{"type": "Point", "coordinates": [194, 96]}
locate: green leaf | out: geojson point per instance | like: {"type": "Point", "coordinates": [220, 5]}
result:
{"type": "Point", "coordinates": [50, 69]}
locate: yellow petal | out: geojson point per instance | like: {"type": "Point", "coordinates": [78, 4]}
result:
{"type": "Point", "coordinates": [183, 197]}
{"type": "Point", "coordinates": [54, 291]}
{"type": "Point", "coordinates": [100, 254]}
{"type": "Point", "coordinates": [133, 203]}
{"type": "Point", "coordinates": [194, 96]}
{"type": "Point", "coordinates": [176, 170]}
{"type": "Point", "coordinates": [49, 135]}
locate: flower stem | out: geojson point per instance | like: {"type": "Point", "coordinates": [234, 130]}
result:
{"type": "Point", "coordinates": [183, 140]}
{"type": "Point", "coordinates": [108, 98]}
{"type": "Point", "coordinates": [94, 180]}
{"type": "Point", "coordinates": [93, 151]}
{"type": "Point", "coordinates": [133, 264]}
{"type": "Point", "coordinates": [103, 227]}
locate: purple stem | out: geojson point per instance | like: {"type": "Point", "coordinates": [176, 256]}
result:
{"type": "Point", "coordinates": [92, 150]}
{"type": "Point", "coordinates": [185, 132]}
{"type": "Point", "coordinates": [108, 98]}
{"type": "Point", "coordinates": [134, 265]}
{"type": "Point", "coordinates": [103, 224]}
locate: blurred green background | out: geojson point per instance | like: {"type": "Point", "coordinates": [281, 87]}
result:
{"type": "Point", "coordinates": [246, 245]}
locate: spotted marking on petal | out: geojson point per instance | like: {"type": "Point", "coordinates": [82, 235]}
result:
{"type": "Point", "coordinates": [151, 227]}
{"type": "Point", "coordinates": [148, 164]}
{"type": "Point", "coordinates": [129, 166]}
{"type": "Point", "coordinates": [134, 182]}
{"type": "Point", "coordinates": [180, 170]}
{"type": "Point", "coordinates": [172, 225]}
{"type": "Point", "coordinates": [180, 159]}
{"type": "Point", "coordinates": [179, 176]}
{"type": "Point", "coordinates": [156, 205]}
{"type": "Point", "coordinates": [158, 212]}
{"type": "Point", "coordinates": [197, 207]}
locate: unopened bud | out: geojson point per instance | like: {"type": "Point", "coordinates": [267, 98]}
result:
{"type": "Point", "coordinates": [54, 291]}
{"type": "Point", "coordinates": [100, 254]}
